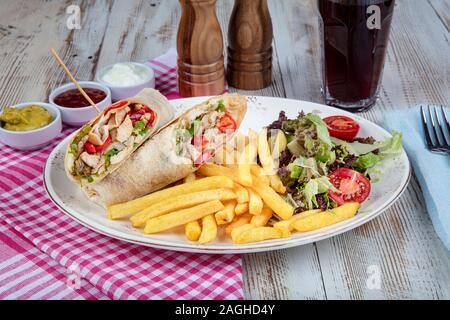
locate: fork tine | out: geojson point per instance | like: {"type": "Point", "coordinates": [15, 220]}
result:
{"type": "Point", "coordinates": [446, 124]}
{"type": "Point", "coordinates": [438, 130]}
{"type": "Point", "coordinates": [426, 129]}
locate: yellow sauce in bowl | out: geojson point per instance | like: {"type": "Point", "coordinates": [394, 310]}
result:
{"type": "Point", "coordinates": [25, 119]}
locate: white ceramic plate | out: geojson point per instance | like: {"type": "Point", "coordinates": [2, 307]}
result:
{"type": "Point", "coordinates": [261, 111]}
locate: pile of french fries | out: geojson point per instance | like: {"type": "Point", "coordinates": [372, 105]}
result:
{"type": "Point", "coordinates": [233, 192]}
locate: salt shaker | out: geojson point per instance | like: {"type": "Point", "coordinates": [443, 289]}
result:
{"type": "Point", "coordinates": [250, 35]}
{"type": "Point", "coordinates": [200, 61]}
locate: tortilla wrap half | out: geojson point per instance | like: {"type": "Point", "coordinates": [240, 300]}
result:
{"type": "Point", "coordinates": [105, 143]}
{"type": "Point", "coordinates": [175, 151]}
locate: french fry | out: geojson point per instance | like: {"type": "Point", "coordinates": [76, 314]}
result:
{"type": "Point", "coordinates": [189, 178]}
{"type": "Point", "coordinates": [211, 170]}
{"type": "Point", "coordinates": [227, 214]}
{"type": "Point", "coordinates": [238, 230]}
{"type": "Point", "coordinates": [241, 208]}
{"type": "Point", "coordinates": [261, 219]}
{"type": "Point", "coordinates": [126, 209]}
{"type": "Point", "coordinates": [264, 152]}
{"type": "Point", "coordinates": [276, 184]}
{"type": "Point", "coordinates": [326, 218]}
{"type": "Point", "coordinates": [247, 158]}
{"type": "Point", "coordinates": [286, 225]}
{"type": "Point", "coordinates": [259, 172]}
{"type": "Point", "coordinates": [180, 202]}
{"type": "Point", "coordinates": [192, 230]}
{"type": "Point", "coordinates": [273, 200]}
{"type": "Point", "coordinates": [240, 141]}
{"type": "Point", "coordinates": [257, 234]}
{"type": "Point", "coordinates": [209, 229]}
{"type": "Point", "coordinates": [255, 203]}
{"type": "Point", "coordinates": [241, 193]}
{"type": "Point", "coordinates": [181, 217]}
{"type": "Point", "coordinates": [238, 221]}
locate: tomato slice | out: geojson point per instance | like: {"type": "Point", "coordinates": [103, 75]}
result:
{"type": "Point", "coordinates": [116, 105]}
{"type": "Point", "coordinates": [90, 148]}
{"type": "Point", "coordinates": [353, 186]}
{"type": "Point", "coordinates": [152, 118]}
{"type": "Point", "coordinates": [227, 124]}
{"type": "Point", "coordinates": [342, 127]}
{"type": "Point", "coordinates": [104, 145]}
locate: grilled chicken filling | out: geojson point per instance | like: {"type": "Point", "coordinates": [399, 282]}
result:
{"type": "Point", "coordinates": [111, 139]}
{"type": "Point", "coordinates": [202, 131]}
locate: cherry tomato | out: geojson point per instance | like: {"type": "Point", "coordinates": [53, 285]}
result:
{"type": "Point", "coordinates": [90, 148]}
{"type": "Point", "coordinates": [116, 105]}
{"type": "Point", "coordinates": [342, 127]}
{"type": "Point", "coordinates": [227, 124]}
{"type": "Point", "coordinates": [353, 186]}
{"type": "Point", "coordinates": [203, 158]}
{"type": "Point", "coordinates": [104, 145]}
{"type": "Point", "coordinates": [199, 142]}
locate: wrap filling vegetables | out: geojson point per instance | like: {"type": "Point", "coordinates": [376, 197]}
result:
{"type": "Point", "coordinates": [202, 130]}
{"type": "Point", "coordinates": [110, 139]}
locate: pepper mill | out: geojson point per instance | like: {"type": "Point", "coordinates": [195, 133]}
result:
{"type": "Point", "coordinates": [250, 35]}
{"type": "Point", "coordinates": [201, 69]}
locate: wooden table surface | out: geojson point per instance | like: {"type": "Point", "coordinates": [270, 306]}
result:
{"type": "Point", "coordinates": [401, 243]}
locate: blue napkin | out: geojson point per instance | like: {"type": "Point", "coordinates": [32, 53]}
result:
{"type": "Point", "coordinates": [431, 169]}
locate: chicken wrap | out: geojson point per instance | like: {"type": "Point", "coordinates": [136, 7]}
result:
{"type": "Point", "coordinates": [106, 142]}
{"type": "Point", "coordinates": [174, 151]}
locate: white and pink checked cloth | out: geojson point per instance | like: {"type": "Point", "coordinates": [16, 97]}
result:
{"type": "Point", "coordinates": [41, 249]}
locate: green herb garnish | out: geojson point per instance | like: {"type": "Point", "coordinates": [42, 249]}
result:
{"type": "Point", "coordinates": [143, 132]}
{"type": "Point", "coordinates": [221, 106]}
{"type": "Point", "coordinates": [139, 125]}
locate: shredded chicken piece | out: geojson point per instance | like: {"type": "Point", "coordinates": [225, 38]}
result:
{"type": "Point", "coordinates": [100, 167]}
{"type": "Point", "coordinates": [81, 144]}
{"type": "Point", "coordinates": [90, 159]}
{"type": "Point", "coordinates": [125, 130]}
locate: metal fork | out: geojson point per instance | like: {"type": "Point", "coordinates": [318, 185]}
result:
{"type": "Point", "coordinates": [437, 128]}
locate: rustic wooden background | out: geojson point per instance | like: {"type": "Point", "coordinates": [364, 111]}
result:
{"type": "Point", "coordinates": [401, 243]}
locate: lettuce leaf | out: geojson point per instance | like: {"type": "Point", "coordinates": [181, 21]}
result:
{"type": "Point", "coordinates": [366, 161]}
{"type": "Point", "coordinates": [314, 187]}
{"type": "Point", "coordinates": [391, 146]}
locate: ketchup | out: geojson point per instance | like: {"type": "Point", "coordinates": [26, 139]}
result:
{"type": "Point", "coordinates": [74, 99]}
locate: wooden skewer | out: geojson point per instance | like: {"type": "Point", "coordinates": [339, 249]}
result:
{"type": "Point", "coordinates": [75, 82]}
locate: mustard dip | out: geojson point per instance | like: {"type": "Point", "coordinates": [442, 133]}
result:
{"type": "Point", "coordinates": [25, 119]}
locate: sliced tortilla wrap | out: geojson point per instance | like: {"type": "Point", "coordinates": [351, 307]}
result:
{"type": "Point", "coordinates": [106, 142]}
{"type": "Point", "coordinates": [173, 152]}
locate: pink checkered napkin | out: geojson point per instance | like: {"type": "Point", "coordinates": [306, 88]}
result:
{"type": "Point", "coordinates": [110, 268]}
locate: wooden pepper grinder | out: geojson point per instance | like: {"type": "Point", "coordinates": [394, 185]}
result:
{"type": "Point", "coordinates": [200, 62]}
{"type": "Point", "coordinates": [250, 35]}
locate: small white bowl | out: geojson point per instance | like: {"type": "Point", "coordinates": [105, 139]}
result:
{"type": "Point", "coordinates": [33, 139]}
{"type": "Point", "coordinates": [78, 116]}
{"type": "Point", "coordinates": [123, 92]}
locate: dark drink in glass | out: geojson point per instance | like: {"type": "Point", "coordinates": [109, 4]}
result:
{"type": "Point", "coordinates": [355, 35]}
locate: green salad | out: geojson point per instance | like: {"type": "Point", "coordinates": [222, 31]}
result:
{"type": "Point", "coordinates": [323, 163]}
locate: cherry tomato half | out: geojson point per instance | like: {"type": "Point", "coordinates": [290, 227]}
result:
{"type": "Point", "coordinates": [342, 127]}
{"type": "Point", "coordinates": [353, 186]}
{"type": "Point", "coordinates": [227, 124]}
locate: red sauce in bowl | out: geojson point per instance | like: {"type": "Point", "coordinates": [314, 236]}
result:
{"type": "Point", "coordinates": [74, 99]}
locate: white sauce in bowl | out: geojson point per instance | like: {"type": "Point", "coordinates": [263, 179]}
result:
{"type": "Point", "coordinates": [125, 74]}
